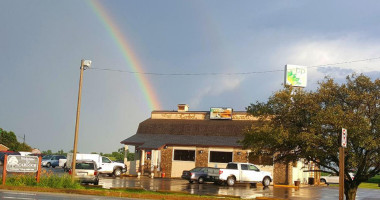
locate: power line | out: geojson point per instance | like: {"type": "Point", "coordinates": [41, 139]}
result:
{"type": "Point", "coordinates": [347, 62]}
{"type": "Point", "coordinates": [225, 74]}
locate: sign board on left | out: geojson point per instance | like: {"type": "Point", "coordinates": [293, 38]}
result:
{"type": "Point", "coordinates": [17, 163]}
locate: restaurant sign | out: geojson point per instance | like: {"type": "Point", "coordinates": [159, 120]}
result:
{"type": "Point", "coordinates": [17, 163]}
{"type": "Point", "coordinates": [220, 113]}
{"type": "Point", "coordinates": [295, 76]}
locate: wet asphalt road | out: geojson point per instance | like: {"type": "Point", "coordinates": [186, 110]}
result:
{"type": "Point", "coordinates": [242, 190]}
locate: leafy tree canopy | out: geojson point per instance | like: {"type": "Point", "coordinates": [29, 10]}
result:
{"type": "Point", "coordinates": [308, 124]}
{"type": "Point", "coordinates": [9, 139]}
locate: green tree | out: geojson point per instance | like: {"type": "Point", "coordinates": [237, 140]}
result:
{"type": "Point", "coordinates": [48, 152]}
{"type": "Point", "coordinates": [61, 152]}
{"type": "Point", "coordinates": [9, 139]}
{"type": "Point", "coordinates": [118, 156]}
{"type": "Point", "coordinates": [130, 156]}
{"type": "Point", "coordinates": [307, 124]}
{"type": "Point", "coordinates": [24, 147]}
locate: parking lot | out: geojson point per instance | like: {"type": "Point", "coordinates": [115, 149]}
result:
{"type": "Point", "coordinates": [240, 190]}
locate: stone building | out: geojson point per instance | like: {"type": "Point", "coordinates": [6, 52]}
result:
{"type": "Point", "coordinates": [172, 141]}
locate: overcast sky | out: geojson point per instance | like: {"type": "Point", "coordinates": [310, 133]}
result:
{"type": "Point", "coordinates": [43, 42]}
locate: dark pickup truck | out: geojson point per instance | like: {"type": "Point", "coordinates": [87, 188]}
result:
{"type": "Point", "coordinates": [201, 174]}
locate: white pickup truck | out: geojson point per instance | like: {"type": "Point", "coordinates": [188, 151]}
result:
{"type": "Point", "coordinates": [333, 178]}
{"type": "Point", "coordinates": [107, 166]}
{"type": "Point", "coordinates": [244, 173]}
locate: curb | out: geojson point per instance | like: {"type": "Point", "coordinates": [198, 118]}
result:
{"type": "Point", "coordinates": [267, 198]}
{"type": "Point", "coordinates": [127, 188]}
{"type": "Point", "coordinates": [286, 186]}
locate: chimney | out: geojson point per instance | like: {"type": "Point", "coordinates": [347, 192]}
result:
{"type": "Point", "coordinates": [183, 107]}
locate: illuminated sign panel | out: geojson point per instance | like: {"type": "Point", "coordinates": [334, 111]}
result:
{"type": "Point", "coordinates": [295, 75]}
{"type": "Point", "coordinates": [220, 113]}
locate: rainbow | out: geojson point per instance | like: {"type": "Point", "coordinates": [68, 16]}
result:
{"type": "Point", "coordinates": [127, 52]}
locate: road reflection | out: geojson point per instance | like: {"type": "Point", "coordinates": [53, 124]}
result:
{"type": "Point", "coordinates": [242, 190]}
{"type": "Point", "coordinates": [245, 191]}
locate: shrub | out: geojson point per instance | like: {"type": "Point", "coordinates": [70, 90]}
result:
{"type": "Point", "coordinates": [46, 180]}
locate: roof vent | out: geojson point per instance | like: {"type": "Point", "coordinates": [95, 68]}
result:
{"type": "Point", "coordinates": [183, 107]}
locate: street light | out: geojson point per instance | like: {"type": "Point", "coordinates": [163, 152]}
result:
{"type": "Point", "coordinates": [83, 66]}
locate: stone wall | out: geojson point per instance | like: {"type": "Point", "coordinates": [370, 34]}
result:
{"type": "Point", "coordinates": [201, 159]}
{"type": "Point", "coordinates": [166, 161]}
{"type": "Point", "coordinates": [239, 158]}
{"type": "Point", "coordinates": [283, 173]}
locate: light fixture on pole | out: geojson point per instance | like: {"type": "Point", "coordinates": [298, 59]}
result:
{"type": "Point", "coordinates": [83, 66]}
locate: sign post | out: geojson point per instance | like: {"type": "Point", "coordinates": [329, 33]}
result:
{"type": "Point", "coordinates": [341, 163]}
{"type": "Point", "coordinates": [39, 169]}
{"type": "Point", "coordinates": [4, 168]}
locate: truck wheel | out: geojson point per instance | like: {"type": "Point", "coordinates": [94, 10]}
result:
{"type": "Point", "coordinates": [201, 180]}
{"type": "Point", "coordinates": [48, 165]}
{"type": "Point", "coordinates": [266, 181]}
{"type": "Point", "coordinates": [230, 181]}
{"type": "Point", "coordinates": [117, 172]}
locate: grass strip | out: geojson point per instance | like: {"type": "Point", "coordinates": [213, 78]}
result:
{"type": "Point", "coordinates": [129, 193]}
{"type": "Point", "coordinates": [362, 186]}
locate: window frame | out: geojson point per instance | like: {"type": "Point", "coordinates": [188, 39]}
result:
{"type": "Point", "coordinates": [193, 150]}
{"type": "Point", "coordinates": [209, 156]}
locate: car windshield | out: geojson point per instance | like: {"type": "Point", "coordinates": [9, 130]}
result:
{"type": "Point", "coordinates": [47, 157]}
{"type": "Point", "coordinates": [196, 169]}
{"type": "Point", "coordinates": [85, 166]}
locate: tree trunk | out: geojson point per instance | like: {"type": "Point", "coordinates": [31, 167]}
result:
{"type": "Point", "coordinates": [350, 189]}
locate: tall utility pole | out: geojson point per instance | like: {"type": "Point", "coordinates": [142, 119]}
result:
{"type": "Point", "coordinates": [84, 64]}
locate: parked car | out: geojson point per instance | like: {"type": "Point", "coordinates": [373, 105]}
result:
{"type": "Point", "coordinates": [201, 174]}
{"type": "Point", "coordinates": [107, 166]}
{"type": "Point", "coordinates": [3, 153]}
{"type": "Point", "coordinates": [51, 160]}
{"type": "Point", "coordinates": [244, 173]}
{"type": "Point", "coordinates": [333, 178]}
{"type": "Point", "coordinates": [86, 171]}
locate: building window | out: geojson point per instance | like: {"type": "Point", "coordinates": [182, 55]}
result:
{"type": "Point", "coordinates": [184, 155]}
{"type": "Point", "coordinates": [220, 156]}
{"type": "Point", "coordinates": [264, 159]}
